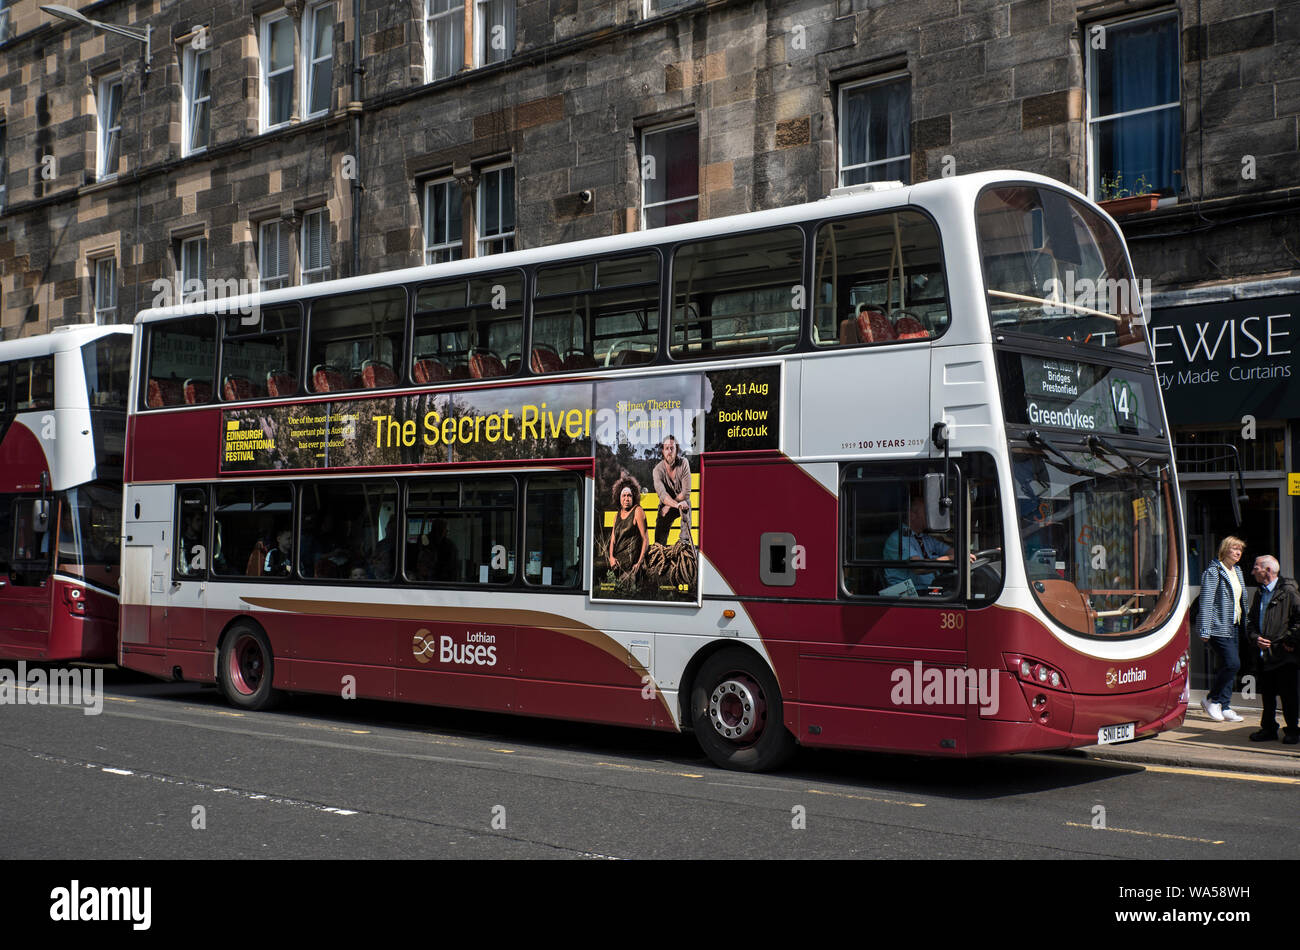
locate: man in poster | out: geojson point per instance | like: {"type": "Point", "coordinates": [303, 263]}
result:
{"type": "Point", "coordinates": [672, 478]}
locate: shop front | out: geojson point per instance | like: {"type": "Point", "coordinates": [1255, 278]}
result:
{"type": "Point", "coordinates": [1227, 360]}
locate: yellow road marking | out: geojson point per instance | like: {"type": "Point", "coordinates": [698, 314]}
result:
{"type": "Point", "coordinates": [1177, 770]}
{"type": "Point", "coordinates": [1148, 834]}
{"type": "Point", "coordinates": [866, 798]}
{"type": "Point", "coordinates": [1211, 773]}
{"type": "Point", "coordinates": [505, 751]}
{"type": "Point", "coordinates": [637, 768]}
{"type": "Point", "coordinates": [327, 728]}
{"type": "Point", "coordinates": [118, 699]}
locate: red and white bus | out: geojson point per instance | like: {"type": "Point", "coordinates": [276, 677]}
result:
{"type": "Point", "coordinates": [871, 472]}
{"type": "Point", "coordinates": [62, 424]}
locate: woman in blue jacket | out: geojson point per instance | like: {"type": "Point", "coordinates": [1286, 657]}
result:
{"type": "Point", "coordinates": [1223, 608]}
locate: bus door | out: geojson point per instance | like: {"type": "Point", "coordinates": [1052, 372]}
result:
{"type": "Point", "coordinates": [27, 526]}
{"type": "Point", "coordinates": [187, 568]}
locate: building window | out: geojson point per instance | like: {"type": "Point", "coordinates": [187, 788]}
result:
{"type": "Point", "coordinates": [196, 89]}
{"type": "Point", "coordinates": [443, 230]}
{"type": "Point", "coordinates": [4, 20]}
{"type": "Point", "coordinates": [4, 170]}
{"type": "Point", "coordinates": [1134, 111]}
{"type": "Point", "coordinates": [875, 131]}
{"type": "Point", "coordinates": [314, 251]}
{"type": "Point", "coordinates": [496, 210]}
{"type": "Point", "coordinates": [277, 71]}
{"type": "Point", "coordinates": [103, 272]}
{"type": "Point", "coordinates": [318, 59]}
{"type": "Point", "coordinates": [273, 254]}
{"type": "Point", "coordinates": [670, 176]}
{"type": "Point", "coordinates": [194, 270]}
{"type": "Point", "coordinates": [494, 31]}
{"type": "Point", "coordinates": [110, 127]}
{"type": "Point", "coordinates": [444, 37]}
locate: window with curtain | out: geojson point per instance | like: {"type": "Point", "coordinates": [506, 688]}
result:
{"type": "Point", "coordinates": [875, 131]}
{"type": "Point", "coordinates": [315, 250]}
{"type": "Point", "coordinates": [273, 255]}
{"type": "Point", "coordinates": [495, 27]}
{"type": "Point", "coordinates": [444, 37]}
{"type": "Point", "coordinates": [1134, 108]}
{"type": "Point", "coordinates": [670, 175]}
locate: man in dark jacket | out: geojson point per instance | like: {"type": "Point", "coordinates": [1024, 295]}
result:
{"type": "Point", "coordinates": [1273, 626]}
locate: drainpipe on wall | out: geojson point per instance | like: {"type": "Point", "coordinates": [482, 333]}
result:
{"type": "Point", "coordinates": [354, 108]}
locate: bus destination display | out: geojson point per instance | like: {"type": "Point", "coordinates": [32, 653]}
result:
{"type": "Point", "coordinates": [1084, 397]}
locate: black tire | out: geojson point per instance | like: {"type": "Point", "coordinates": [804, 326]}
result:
{"type": "Point", "coordinates": [246, 668]}
{"type": "Point", "coordinates": [736, 713]}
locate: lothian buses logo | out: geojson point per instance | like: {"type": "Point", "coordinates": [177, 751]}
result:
{"type": "Point", "coordinates": [479, 648]}
{"type": "Point", "coordinates": [1116, 677]}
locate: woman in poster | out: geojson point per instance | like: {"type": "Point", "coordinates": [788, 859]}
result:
{"type": "Point", "coordinates": [628, 541]}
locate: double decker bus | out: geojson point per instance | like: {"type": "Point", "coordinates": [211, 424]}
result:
{"type": "Point", "coordinates": [867, 473]}
{"type": "Point", "coordinates": [63, 401]}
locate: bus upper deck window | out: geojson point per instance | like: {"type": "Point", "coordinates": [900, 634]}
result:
{"type": "Point", "coordinates": [469, 329]}
{"type": "Point", "coordinates": [355, 341]}
{"type": "Point", "coordinates": [879, 278]}
{"type": "Point", "coordinates": [181, 362]}
{"type": "Point", "coordinates": [735, 296]}
{"type": "Point", "coordinates": [597, 313]}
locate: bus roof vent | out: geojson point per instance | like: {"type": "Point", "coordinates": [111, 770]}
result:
{"type": "Point", "coordinates": [865, 188]}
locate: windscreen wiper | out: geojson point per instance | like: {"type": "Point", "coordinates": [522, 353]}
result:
{"type": "Point", "coordinates": [1036, 438]}
{"type": "Point", "coordinates": [1100, 445]}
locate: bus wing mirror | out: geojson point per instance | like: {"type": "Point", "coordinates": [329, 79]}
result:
{"type": "Point", "coordinates": [41, 515]}
{"type": "Point", "coordinates": [938, 508]}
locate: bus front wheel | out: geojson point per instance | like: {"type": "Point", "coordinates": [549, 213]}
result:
{"type": "Point", "coordinates": [736, 713]}
{"type": "Point", "coordinates": [247, 669]}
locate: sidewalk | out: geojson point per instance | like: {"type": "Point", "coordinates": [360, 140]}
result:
{"type": "Point", "coordinates": [1202, 743]}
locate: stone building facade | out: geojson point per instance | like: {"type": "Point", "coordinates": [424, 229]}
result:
{"type": "Point", "coordinates": [566, 106]}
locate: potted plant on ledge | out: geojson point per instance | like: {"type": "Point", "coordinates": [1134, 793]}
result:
{"type": "Point", "coordinates": [1119, 201]}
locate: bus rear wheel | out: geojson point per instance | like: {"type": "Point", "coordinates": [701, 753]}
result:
{"type": "Point", "coordinates": [736, 713]}
{"type": "Point", "coordinates": [247, 669]}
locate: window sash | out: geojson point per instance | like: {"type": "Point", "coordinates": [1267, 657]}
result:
{"type": "Point", "coordinates": [443, 228]}
{"type": "Point", "coordinates": [277, 71]}
{"type": "Point", "coordinates": [497, 210]}
{"type": "Point", "coordinates": [105, 289]}
{"type": "Point", "coordinates": [110, 127]}
{"type": "Point", "coordinates": [319, 55]}
{"type": "Point", "coordinates": [198, 90]}
{"type": "Point", "coordinates": [193, 267]}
